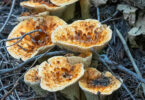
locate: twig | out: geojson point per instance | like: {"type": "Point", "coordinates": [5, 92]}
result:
{"type": "Point", "coordinates": [98, 14]}
{"type": "Point", "coordinates": [3, 71]}
{"type": "Point", "coordinates": [129, 55]}
{"type": "Point", "coordinates": [104, 58]}
{"type": "Point", "coordinates": [20, 38]}
{"type": "Point", "coordinates": [106, 20]}
{"type": "Point", "coordinates": [120, 67]}
{"type": "Point", "coordinates": [15, 85]}
{"type": "Point", "coordinates": [11, 10]}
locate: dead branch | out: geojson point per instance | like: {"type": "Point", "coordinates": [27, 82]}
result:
{"type": "Point", "coordinates": [129, 55]}
{"type": "Point", "coordinates": [11, 10]}
{"type": "Point", "coordinates": [20, 38]}
{"type": "Point", "coordinates": [3, 71]}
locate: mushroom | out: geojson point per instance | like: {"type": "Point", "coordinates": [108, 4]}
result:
{"type": "Point", "coordinates": [28, 15]}
{"type": "Point", "coordinates": [70, 7]}
{"type": "Point", "coordinates": [32, 79]}
{"type": "Point", "coordinates": [85, 8]}
{"type": "Point", "coordinates": [57, 74]}
{"type": "Point", "coordinates": [82, 36]}
{"type": "Point", "coordinates": [84, 58]}
{"type": "Point", "coordinates": [36, 42]}
{"type": "Point", "coordinates": [97, 85]}
{"type": "Point", "coordinates": [43, 5]}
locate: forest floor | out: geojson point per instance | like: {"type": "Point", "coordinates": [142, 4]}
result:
{"type": "Point", "coordinates": [115, 57]}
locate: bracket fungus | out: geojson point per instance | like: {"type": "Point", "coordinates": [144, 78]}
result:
{"type": "Point", "coordinates": [57, 74]}
{"type": "Point", "coordinates": [82, 35]}
{"type": "Point", "coordinates": [43, 5]}
{"type": "Point", "coordinates": [36, 42]}
{"type": "Point", "coordinates": [32, 79]}
{"type": "Point", "coordinates": [97, 85]}
{"type": "Point", "coordinates": [84, 58]}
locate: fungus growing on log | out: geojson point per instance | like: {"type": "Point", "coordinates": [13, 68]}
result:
{"type": "Point", "coordinates": [43, 5]}
{"type": "Point", "coordinates": [97, 85]}
{"type": "Point", "coordinates": [82, 35]}
{"type": "Point", "coordinates": [84, 58]}
{"type": "Point", "coordinates": [57, 74]}
{"type": "Point", "coordinates": [36, 42]}
{"type": "Point", "coordinates": [32, 79]}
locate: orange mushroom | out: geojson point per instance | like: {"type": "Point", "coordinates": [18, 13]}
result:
{"type": "Point", "coordinates": [32, 79]}
{"type": "Point", "coordinates": [98, 85]}
{"type": "Point", "coordinates": [36, 42]}
{"type": "Point", "coordinates": [82, 35]}
{"type": "Point", "coordinates": [43, 5]}
{"type": "Point", "coordinates": [57, 74]}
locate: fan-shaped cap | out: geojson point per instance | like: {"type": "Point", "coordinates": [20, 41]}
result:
{"type": "Point", "coordinates": [40, 5]}
{"type": "Point", "coordinates": [58, 73]}
{"type": "Point", "coordinates": [63, 2]}
{"type": "Point", "coordinates": [93, 82]}
{"type": "Point", "coordinates": [82, 35]}
{"type": "Point", "coordinates": [36, 42]}
{"type": "Point", "coordinates": [84, 58]}
{"type": "Point", "coordinates": [31, 76]}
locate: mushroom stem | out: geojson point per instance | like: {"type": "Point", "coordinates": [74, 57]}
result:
{"type": "Point", "coordinates": [58, 12]}
{"type": "Point", "coordinates": [69, 12]}
{"type": "Point", "coordinates": [38, 90]}
{"type": "Point", "coordinates": [85, 8]}
{"type": "Point", "coordinates": [32, 79]}
{"type": "Point", "coordinates": [72, 92]}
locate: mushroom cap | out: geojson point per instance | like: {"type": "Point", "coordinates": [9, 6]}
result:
{"type": "Point", "coordinates": [58, 73]}
{"type": "Point", "coordinates": [63, 2]}
{"type": "Point", "coordinates": [93, 81]}
{"type": "Point", "coordinates": [82, 35]}
{"type": "Point", "coordinates": [31, 76]}
{"type": "Point", "coordinates": [36, 42]}
{"type": "Point", "coordinates": [40, 5]}
{"type": "Point", "coordinates": [28, 15]}
{"type": "Point", "coordinates": [84, 58]}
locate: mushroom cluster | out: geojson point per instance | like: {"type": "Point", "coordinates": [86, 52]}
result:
{"type": "Point", "coordinates": [56, 74]}
{"type": "Point", "coordinates": [38, 32]}
{"type": "Point", "coordinates": [61, 8]}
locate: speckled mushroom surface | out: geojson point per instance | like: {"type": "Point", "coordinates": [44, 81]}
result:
{"type": "Point", "coordinates": [82, 34]}
{"type": "Point", "coordinates": [41, 5]}
{"type": "Point", "coordinates": [31, 76]}
{"type": "Point", "coordinates": [63, 2]}
{"type": "Point", "coordinates": [58, 73]}
{"type": "Point", "coordinates": [36, 42]}
{"type": "Point", "coordinates": [94, 81]}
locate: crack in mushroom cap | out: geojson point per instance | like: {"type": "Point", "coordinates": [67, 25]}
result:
{"type": "Point", "coordinates": [58, 73]}
{"type": "Point", "coordinates": [93, 81]}
{"type": "Point", "coordinates": [63, 2]}
{"type": "Point", "coordinates": [41, 5]}
{"type": "Point", "coordinates": [36, 42]}
{"type": "Point", "coordinates": [31, 76]}
{"type": "Point", "coordinates": [82, 35]}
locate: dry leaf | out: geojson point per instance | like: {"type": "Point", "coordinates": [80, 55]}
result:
{"type": "Point", "coordinates": [128, 12]}
{"type": "Point", "coordinates": [139, 29]}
